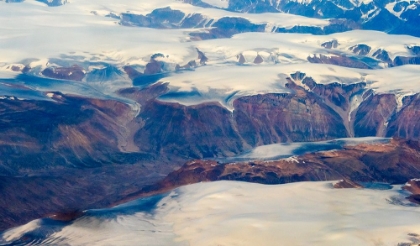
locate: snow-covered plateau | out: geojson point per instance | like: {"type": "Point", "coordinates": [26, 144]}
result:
{"type": "Point", "coordinates": [79, 33]}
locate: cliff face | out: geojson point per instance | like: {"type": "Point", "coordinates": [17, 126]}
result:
{"type": "Point", "coordinates": [319, 112]}
{"type": "Point", "coordinates": [197, 131]}
{"type": "Point", "coordinates": [406, 123]}
{"type": "Point", "coordinates": [66, 131]}
{"type": "Point", "coordinates": [66, 154]}
{"type": "Point", "coordinates": [272, 118]}
{"type": "Point", "coordinates": [76, 141]}
{"type": "Point", "coordinates": [373, 115]}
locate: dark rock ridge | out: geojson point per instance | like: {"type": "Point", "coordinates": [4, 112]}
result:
{"type": "Point", "coordinates": [330, 44]}
{"type": "Point", "coordinates": [373, 115]}
{"type": "Point", "coordinates": [406, 123]}
{"type": "Point", "coordinates": [339, 60]}
{"type": "Point", "coordinates": [68, 73]}
{"type": "Point", "coordinates": [414, 49]}
{"type": "Point", "coordinates": [68, 131]}
{"type": "Point", "coordinates": [108, 72]}
{"type": "Point", "coordinates": [413, 186]}
{"type": "Point", "coordinates": [157, 68]}
{"type": "Point", "coordinates": [68, 153]}
{"type": "Point", "coordinates": [167, 18]}
{"type": "Point", "coordinates": [163, 18]}
{"type": "Point", "coordinates": [319, 112]}
{"type": "Point", "coordinates": [361, 49]}
{"type": "Point", "coordinates": [382, 55]}
{"type": "Point", "coordinates": [273, 118]}
{"type": "Point", "coordinates": [226, 27]}
{"type": "Point", "coordinates": [394, 162]}
{"type": "Point", "coordinates": [346, 184]}
{"type": "Point", "coordinates": [371, 16]}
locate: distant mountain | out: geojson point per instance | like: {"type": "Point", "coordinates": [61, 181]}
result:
{"type": "Point", "coordinates": [392, 16]}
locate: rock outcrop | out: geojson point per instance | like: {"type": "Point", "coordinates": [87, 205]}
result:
{"type": "Point", "coordinates": [346, 184]}
{"type": "Point", "coordinates": [361, 49]}
{"type": "Point", "coordinates": [68, 73]}
{"type": "Point", "coordinates": [394, 162]}
{"type": "Point", "coordinates": [413, 186]}
{"type": "Point", "coordinates": [339, 60]}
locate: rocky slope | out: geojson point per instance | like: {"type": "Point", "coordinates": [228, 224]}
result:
{"type": "Point", "coordinates": [394, 162]}
{"type": "Point", "coordinates": [78, 135]}
{"type": "Point", "coordinates": [413, 186]}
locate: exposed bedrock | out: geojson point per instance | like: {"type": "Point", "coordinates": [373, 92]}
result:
{"type": "Point", "coordinates": [273, 118]}
{"type": "Point", "coordinates": [406, 123]}
{"type": "Point", "coordinates": [343, 99]}
{"type": "Point", "coordinates": [395, 162]}
{"type": "Point", "coordinates": [68, 73]}
{"type": "Point", "coordinates": [361, 49]}
{"type": "Point", "coordinates": [413, 186]}
{"type": "Point", "coordinates": [70, 131]}
{"type": "Point", "coordinates": [340, 60]}
{"type": "Point", "coordinates": [319, 112]}
{"type": "Point", "coordinates": [108, 141]}
{"type": "Point", "coordinates": [373, 115]}
{"type": "Point", "coordinates": [191, 131]}
{"type": "Point", "coordinates": [210, 130]}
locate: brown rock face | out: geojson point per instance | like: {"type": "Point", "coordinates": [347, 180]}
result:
{"type": "Point", "coordinates": [74, 72]}
{"type": "Point", "coordinates": [339, 60]}
{"type": "Point", "coordinates": [338, 97]}
{"type": "Point", "coordinates": [413, 186]}
{"type": "Point", "coordinates": [336, 94]}
{"type": "Point", "coordinates": [66, 155]}
{"type": "Point", "coordinates": [406, 123]}
{"type": "Point", "coordinates": [74, 153]}
{"type": "Point", "coordinates": [346, 184]}
{"type": "Point", "coordinates": [153, 67]}
{"type": "Point", "coordinates": [373, 114]}
{"type": "Point", "coordinates": [395, 163]}
{"type": "Point", "coordinates": [273, 118]}
{"type": "Point", "coordinates": [197, 131]}
{"type": "Point", "coordinates": [71, 131]}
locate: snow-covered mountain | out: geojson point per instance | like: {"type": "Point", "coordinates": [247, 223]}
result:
{"type": "Point", "coordinates": [101, 99]}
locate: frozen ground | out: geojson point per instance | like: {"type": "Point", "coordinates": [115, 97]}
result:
{"type": "Point", "coordinates": [237, 213]}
